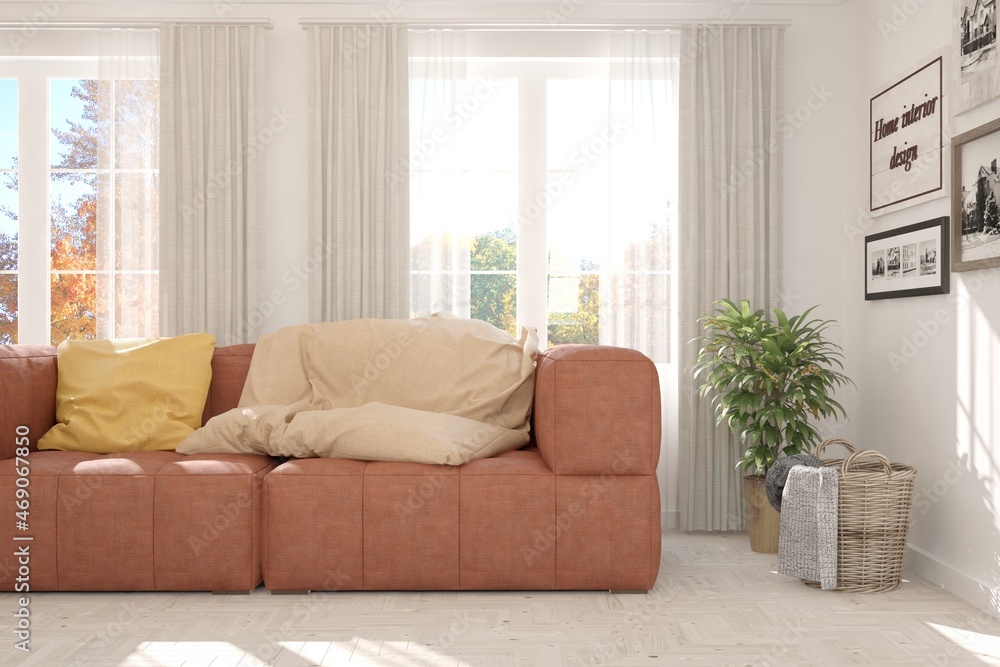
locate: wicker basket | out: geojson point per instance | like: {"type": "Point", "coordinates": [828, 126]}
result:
{"type": "Point", "coordinates": [875, 497]}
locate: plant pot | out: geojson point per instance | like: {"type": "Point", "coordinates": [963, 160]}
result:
{"type": "Point", "coordinates": [762, 519]}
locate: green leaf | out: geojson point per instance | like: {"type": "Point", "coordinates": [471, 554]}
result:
{"type": "Point", "coordinates": [768, 379]}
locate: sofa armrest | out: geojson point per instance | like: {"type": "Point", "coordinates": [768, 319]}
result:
{"type": "Point", "coordinates": [597, 411]}
{"type": "Point", "coordinates": [28, 376]}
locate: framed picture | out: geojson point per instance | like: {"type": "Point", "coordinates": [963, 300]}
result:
{"type": "Point", "coordinates": [908, 261]}
{"type": "Point", "coordinates": [906, 140]}
{"type": "Point", "coordinates": [975, 194]}
{"type": "Point", "coordinates": [975, 38]}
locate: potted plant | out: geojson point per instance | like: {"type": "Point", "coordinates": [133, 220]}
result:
{"type": "Point", "coordinates": [770, 379]}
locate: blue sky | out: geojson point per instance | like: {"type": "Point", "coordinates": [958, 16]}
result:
{"type": "Point", "coordinates": [8, 147]}
{"type": "Point", "coordinates": [62, 107]}
{"type": "Point", "coordinates": [8, 127]}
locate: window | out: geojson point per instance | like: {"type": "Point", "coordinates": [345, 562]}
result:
{"type": "Point", "coordinates": [103, 208]}
{"type": "Point", "coordinates": [8, 212]}
{"type": "Point", "coordinates": [543, 187]}
{"type": "Point", "coordinates": [79, 211]}
{"type": "Point", "coordinates": [464, 195]}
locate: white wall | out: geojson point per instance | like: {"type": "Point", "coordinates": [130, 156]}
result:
{"type": "Point", "coordinates": [821, 57]}
{"type": "Point", "coordinates": [931, 394]}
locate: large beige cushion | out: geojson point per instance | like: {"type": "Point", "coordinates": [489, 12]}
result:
{"type": "Point", "coordinates": [432, 390]}
{"type": "Point", "coordinates": [129, 394]}
{"type": "Point", "coordinates": [467, 368]}
{"type": "Point", "coordinates": [371, 432]}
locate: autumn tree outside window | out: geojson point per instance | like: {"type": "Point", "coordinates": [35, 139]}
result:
{"type": "Point", "coordinates": [8, 210]}
{"type": "Point", "coordinates": [79, 209]}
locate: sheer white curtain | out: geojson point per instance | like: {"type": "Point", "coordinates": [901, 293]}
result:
{"type": "Point", "coordinates": [590, 119]}
{"type": "Point", "coordinates": [358, 173]}
{"type": "Point", "coordinates": [212, 87]}
{"type": "Point", "coordinates": [730, 232]}
{"type": "Point", "coordinates": [440, 232]}
{"type": "Point", "coordinates": [128, 183]}
{"type": "Point", "coordinates": [642, 150]}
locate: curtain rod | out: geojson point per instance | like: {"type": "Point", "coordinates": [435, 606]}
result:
{"type": "Point", "coordinates": [541, 25]}
{"type": "Point", "coordinates": [126, 23]}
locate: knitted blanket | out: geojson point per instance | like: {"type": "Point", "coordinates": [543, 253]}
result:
{"type": "Point", "coordinates": [807, 541]}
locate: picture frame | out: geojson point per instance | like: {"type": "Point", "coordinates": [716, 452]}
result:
{"type": "Point", "coordinates": [908, 261]}
{"type": "Point", "coordinates": [975, 198]}
{"type": "Point", "coordinates": [906, 142]}
{"type": "Point", "coordinates": [977, 65]}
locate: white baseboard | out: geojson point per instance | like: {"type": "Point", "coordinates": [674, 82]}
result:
{"type": "Point", "coordinates": [981, 594]}
{"type": "Point", "coordinates": [669, 519]}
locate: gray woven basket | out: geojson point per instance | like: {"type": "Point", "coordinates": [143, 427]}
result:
{"type": "Point", "coordinates": [875, 497]}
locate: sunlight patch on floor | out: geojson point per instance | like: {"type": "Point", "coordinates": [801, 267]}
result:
{"type": "Point", "coordinates": [357, 651]}
{"type": "Point", "coordinates": [983, 646]}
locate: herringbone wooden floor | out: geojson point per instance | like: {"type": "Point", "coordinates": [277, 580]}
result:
{"type": "Point", "coordinates": [715, 603]}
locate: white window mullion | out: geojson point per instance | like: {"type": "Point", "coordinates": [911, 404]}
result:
{"type": "Point", "coordinates": [33, 217]}
{"type": "Point", "coordinates": [107, 223]}
{"type": "Point", "coordinates": [532, 241]}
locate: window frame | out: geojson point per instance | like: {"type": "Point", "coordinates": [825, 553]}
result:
{"type": "Point", "coordinates": [35, 75]}
{"type": "Point", "coordinates": [16, 171]}
{"type": "Point", "coordinates": [533, 248]}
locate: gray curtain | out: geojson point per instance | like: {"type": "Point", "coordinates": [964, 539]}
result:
{"type": "Point", "coordinates": [358, 172]}
{"type": "Point", "coordinates": [730, 196]}
{"type": "Point", "coordinates": [211, 88]}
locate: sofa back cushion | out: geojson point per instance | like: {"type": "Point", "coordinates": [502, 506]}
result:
{"type": "Point", "coordinates": [28, 378]}
{"type": "Point", "coordinates": [229, 372]}
{"type": "Point", "coordinates": [29, 375]}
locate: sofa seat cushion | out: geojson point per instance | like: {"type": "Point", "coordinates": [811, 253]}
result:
{"type": "Point", "coordinates": [508, 523]}
{"type": "Point", "coordinates": [387, 525]}
{"type": "Point", "coordinates": [411, 529]}
{"type": "Point", "coordinates": [139, 521]}
{"type": "Point", "coordinates": [321, 499]}
{"type": "Point", "coordinates": [520, 462]}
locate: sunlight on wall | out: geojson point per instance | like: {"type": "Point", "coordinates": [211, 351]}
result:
{"type": "Point", "coordinates": [977, 420]}
{"type": "Point", "coordinates": [978, 367]}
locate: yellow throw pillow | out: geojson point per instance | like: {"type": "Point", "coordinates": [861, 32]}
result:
{"type": "Point", "coordinates": [134, 394]}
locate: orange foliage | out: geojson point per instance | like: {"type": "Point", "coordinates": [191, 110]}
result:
{"type": "Point", "coordinates": [8, 305]}
{"type": "Point", "coordinates": [73, 297]}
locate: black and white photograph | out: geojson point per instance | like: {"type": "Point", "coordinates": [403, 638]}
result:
{"type": "Point", "coordinates": [928, 255]}
{"type": "Point", "coordinates": [892, 263]}
{"type": "Point", "coordinates": [975, 68]}
{"type": "Point", "coordinates": [877, 265]}
{"type": "Point", "coordinates": [979, 38]}
{"type": "Point", "coordinates": [976, 198]}
{"type": "Point", "coordinates": [906, 261]}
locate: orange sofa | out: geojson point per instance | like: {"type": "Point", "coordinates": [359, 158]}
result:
{"type": "Point", "coordinates": [578, 509]}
